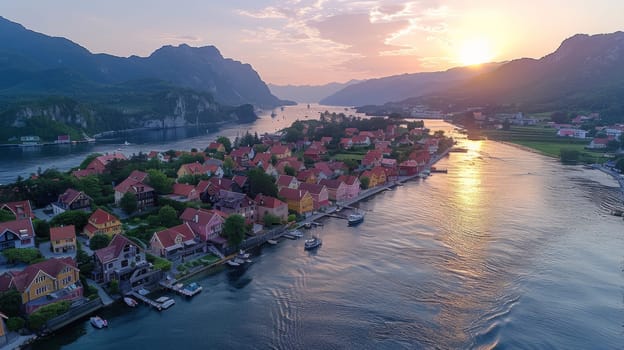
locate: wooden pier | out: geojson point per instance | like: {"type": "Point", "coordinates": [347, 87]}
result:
{"type": "Point", "coordinates": [147, 300]}
{"type": "Point", "coordinates": [179, 289]}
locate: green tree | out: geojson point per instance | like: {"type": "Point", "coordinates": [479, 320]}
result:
{"type": "Point", "coordinates": [10, 302]}
{"type": "Point", "coordinates": [569, 156]}
{"type": "Point", "coordinates": [85, 262]}
{"type": "Point", "coordinates": [77, 218]}
{"type": "Point", "coordinates": [37, 319]}
{"type": "Point", "coordinates": [228, 166]}
{"type": "Point", "coordinates": [168, 216]}
{"type": "Point", "coordinates": [159, 181]}
{"type": "Point", "coordinates": [15, 323]}
{"type": "Point", "coordinates": [620, 165]}
{"type": "Point", "coordinates": [128, 203]}
{"type": "Point", "coordinates": [113, 287]}
{"type": "Point", "coordinates": [234, 229]}
{"type": "Point", "coordinates": [99, 241]}
{"type": "Point", "coordinates": [364, 182]}
{"type": "Point", "coordinates": [23, 255]}
{"type": "Point", "coordinates": [270, 220]}
{"type": "Point", "coordinates": [42, 228]}
{"type": "Point", "coordinates": [225, 142]}
{"type": "Point", "coordinates": [260, 182]}
{"type": "Point", "coordinates": [288, 170]}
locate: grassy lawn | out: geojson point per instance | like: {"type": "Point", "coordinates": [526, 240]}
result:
{"type": "Point", "coordinates": [343, 156]}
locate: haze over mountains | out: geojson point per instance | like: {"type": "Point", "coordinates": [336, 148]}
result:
{"type": "Point", "coordinates": [308, 93]}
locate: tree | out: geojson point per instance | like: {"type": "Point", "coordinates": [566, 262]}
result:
{"type": "Point", "coordinates": [159, 181]}
{"type": "Point", "coordinates": [270, 220]}
{"type": "Point", "coordinates": [15, 323]}
{"type": "Point", "coordinates": [620, 165]}
{"type": "Point", "coordinates": [559, 117]}
{"type": "Point", "coordinates": [288, 170]}
{"type": "Point", "coordinates": [168, 216]}
{"type": "Point", "coordinates": [228, 166]}
{"type": "Point", "coordinates": [23, 255]}
{"type": "Point", "coordinates": [85, 262]}
{"type": "Point", "coordinates": [10, 302]}
{"type": "Point", "coordinates": [225, 142]}
{"type": "Point", "coordinates": [99, 241]}
{"type": "Point", "coordinates": [77, 218]}
{"type": "Point", "coordinates": [234, 229]}
{"type": "Point", "coordinates": [364, 182]}
{"type": "Point", "coordinates": [42, 228]}
{"type": "Point", "coordinates": [128, 203]}
{"type": "Point", "coordinates": [113, 287]}
{"type": "Point", "coordinates": [569, 156]}
{"type": "Point", "coordinates": [260, 182]}
{"type": "Point", "coordinates": [37, 319]}
{"type": "Point", "coordinates": [612, 145]}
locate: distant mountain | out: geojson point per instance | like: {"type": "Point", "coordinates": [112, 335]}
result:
{"type": "Point", "coordinates": [34, 63]}
{"type": "Point", "coordinates": [585, 72]}
{"type": "Point", "coordinates": [308, 93]}
{"type": "Point", "coordinates": [400, 87]}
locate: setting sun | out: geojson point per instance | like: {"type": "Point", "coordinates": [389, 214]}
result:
{"type": "Point", "coordinates": [475, 51]}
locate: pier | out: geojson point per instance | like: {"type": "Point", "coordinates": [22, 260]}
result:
{"type": "Point", "coordinates": [179, 288]}
{"type": "Point", "coordinates": [147, 300]}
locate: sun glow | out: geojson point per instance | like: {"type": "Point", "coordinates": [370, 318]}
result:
{"type": "Point", "coordinates": [475, 51]}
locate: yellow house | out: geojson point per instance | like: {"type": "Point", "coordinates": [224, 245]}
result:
{"type": "Point", "coordinates": [37, 281]}
{"type": "Point", "coordinates": [101, 222]}
{"type": "Point", "coordinates": [376, 176]}
{"type": "Point", "coordinates": [298, 200]}
{"type": "Point", "coordinates": [63, 239]}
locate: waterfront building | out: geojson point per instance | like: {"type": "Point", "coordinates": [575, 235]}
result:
{"type": "Point", "coordinates": [17, 234]}
{"type": "Point", "coordinates": [336, 189]}
{"type": "Point", "coordinates": [310, 176]}
{"type": "Point", "coordinates": [270, 205]}
{"type": "Point", "coordinates": [72, 199]}
{"type": "Point", "coordinates": [287, 181]}
{"type": "Point", "coordinates": [352, 183]}
{"type": "Point", "coordinates": [176, 242]}
{"type": "Point", "coordinates": [376, 176]}
{"type": "Point", "coordinates": [299, 201]}
{"type": "Point", "coordinates": [124, 261]}
{"type": "Point", "coordinates": [44, 283]}
{"type": "Point", "coordinates": [63, 239]}
{"type": "Point", "coordinates": [102, 222]}
{"type": "Point", "coordinates": [236, 203]}
{"type": "Point", "coordinates": [207, 224]}
{"type": "Point", "coordinates": [319, 193]}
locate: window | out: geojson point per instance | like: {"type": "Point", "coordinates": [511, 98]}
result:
{"type": "Point", "coordinates": [124, 263]}
{"type": "Point", "coordinates": [137, 258]}
{"type": "Point", "coordinates": [67, 280]}
{"type": "Point", "coordinates": [110, 265]}
{"type": "Point", "coordinates": [40, 279]}
{"type": "Point", "coordinates": [41, 290]}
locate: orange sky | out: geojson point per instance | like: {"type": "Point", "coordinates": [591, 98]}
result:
{"type": "Point", "coordinates": [320, 41]}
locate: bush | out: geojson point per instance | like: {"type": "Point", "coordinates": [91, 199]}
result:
{"type": "Point", "coordinates": [37, 319]}
{"type": "Point", "coordinates": [292, 217]}
{"type": "Point", "coordinates": [159, 263]}
{"type": "Point", "coordinates": [24, 255]}
{"type": "Point", "coordinates": [15, 323]}
{"type": "Point", "coordinates": [113, 287]}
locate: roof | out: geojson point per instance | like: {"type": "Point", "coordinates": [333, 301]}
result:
{"type": "Point", "coordinates": [241, 151]}
{"type": "Point", "coordinates": [133, 185]}
{"type": "Point", "coordinates": [268, 201]}
{"type": "Point", "coordinates": [19, 227]}
{"type": "Point", "coordinates": [63, 232]}
{"type": "Point", "coordinates": [107, 158]}
{"type": "Point", "coordinates": [183, 189]}
{"type": "Point", "coordinates": [312, 188]}
{"type": "Point", "coordinates": [199, 216]}
{"type": "Point", "coordinates": [285, 180]}
{"type": "Point", "coordinates": [348, 179]}
{"type": "Point", "coordinates": [69, 196]}
{"type": "Point", "coordinates": [168, 237]}
{"type": "Point", "coordinates": [292, 194]}
{"type": "Point", "coordinates": [113, 249]}
{"type": "Point", "coordinates": [279, 149]}
{"type": "Point", "coordinates": [262, 157]}
{"type": "Point", "coordinates": [84, 173]}
{"type": "Point", "coordinates": [333, 184]}
{"type": "Point", "coordinates": [215, 145]}
{"type": "Point", "coordinates": [224, 184]}
{"type": "Point", "coordinates": [100, 217]}
{"type": "Point", "coordinates": [21, 209]}
{"type": "Point", "coordinates": [600, 141]}
{"type": "Point", "coordinates": [138, 175]}
{"type": "Point", "coordinates": [240, 180]}
{"type": "Point", "coordinates": [22, 279]}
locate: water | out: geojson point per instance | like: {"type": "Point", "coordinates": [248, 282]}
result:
{"type": "Point", "coordinates": [26, 161]}
{"type": "Point", "coordinates": [509, 250]}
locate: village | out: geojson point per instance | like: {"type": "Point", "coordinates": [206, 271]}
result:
{"type": "Point", "coordinates": [121, 226]}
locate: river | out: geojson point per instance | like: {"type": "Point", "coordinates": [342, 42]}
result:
{"type": "Point", "coordinates": [25, 161]}
{"type": "Point", "coordinates": [509, 250]}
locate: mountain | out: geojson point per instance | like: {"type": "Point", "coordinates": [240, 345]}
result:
{"type": "Point", "coordinates": [308, 93]}
{"type": "Point", "coordinates": [26, 56]}
{"type": "Point", "coordinates": [585, 72]}
{"type": "Point", "coordinates": [400, 87]}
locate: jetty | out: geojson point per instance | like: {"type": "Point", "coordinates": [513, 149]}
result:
{"type": "Point", "coordinates": [189, 290]}
{"type": "Point", "coordinates": [146, 300]}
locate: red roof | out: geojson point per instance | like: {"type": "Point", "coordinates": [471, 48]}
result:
{"type": "Point", "coordinates": [268, 201]}
{"type": "Point", "coordinates": [19, 227]}
{"type": "Point", "coordinates": [279, 149]}
{"type": "Point", "coordinates": [240, 180]}
{"type": "Point", "coordinates": [348, 179]}
{"type": "Point", "coordinates": [114, 248]}
{"type": "Point", "coordinates": [292, 194]}
{"type": "Point", "coordinates": [84, 173]}
{"type": "Point", "coordinates": [183, 189]}
{"type": "Point", "coordinates": [312, 188]}
{"type": "Point", "coordinates": [68, 196]}
{"type": "Point", "coordinates": [131, 184]}
{"type": "Point", "coordinates": [21, 209]}
{"type": "Point", "coordinates": [215, 145]}
{"type": "Point", "coordinates": [199, 216]}
{"type": "Point", "coordinates": [100, 217]}
{"type": "Point", "coordinates": [22, 279]}
{"type": "Point", "coordinates": [63, 232]}
{"type": "Point", "coordinates": [285, 180]}
{"type": "Point", "coordinates": [221, 184]}
{"type": "Point", "coordinates": [168, 237]}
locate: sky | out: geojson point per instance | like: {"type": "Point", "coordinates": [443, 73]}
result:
{"type": "Point", "coordinates": [314, 42]}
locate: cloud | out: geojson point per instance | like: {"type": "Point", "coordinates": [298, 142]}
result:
{"type": "Point", "coordinates": [180, 38]}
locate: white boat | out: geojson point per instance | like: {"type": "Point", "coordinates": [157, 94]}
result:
{"type": "Point", "coordinates": [271, 241]}
{"type": "Point", "coordinates": [130, 302]}
{"type": "Point", "coordinates": [243, 255]}
{"type": "Point", "coordinates": [165, 302]}
{"type": "Point", "coordinates": [143, 291]}
{"type": "Point", "coordinates": [126, 143]}
{"type": "Point", "coordinates": [312, 243]}
{"type": "Point", "coordinates": [98, 322]}
{"type": "Point", "coordinates": [355, 218]}
{"type": "Point", "coordinates": [296, 233]}
{"type": "Point", "coordinates": [232, 263]}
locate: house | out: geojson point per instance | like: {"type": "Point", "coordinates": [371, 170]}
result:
{"type": "Point", "coordinates": [361, 140]}
{"type": "Point", "coordinates": [208, 192]}
{"type": "Point", "coordinates": [372, 158]}
{"type": "Point", "coordinates": [206, 224]}
{"type": "Point", "coordinates": [44, 283]}
{"type": "Point", "coordinates": [431, 144]}
{"type": "Point", "coordinates": [598, 143]}
{"type": "Point", "coordinates": [326, 140]}
{"type": "Point", "coordinates": [270, 205]}
{"type": "Point", "coordinates": [408, 168]}
{"type": "Point", "coordinates": [237, 203]}
{"type": "Point", "coordinates": [98, 164]}
{"type": "Point", "coordinates": [159, 156]}
{"type": "Point", "coordinates": [324, 169]}
{"type": "Point", "coordinates": [575, 133]}
{"type": "Point", "coordinates": [103, 223]}
{"type": "Point", "coordinates": [263, 161]}
{"type": "Point", "coordinates": [319, 193]}
{"type": "Point", "coordinates": [63, 239]}
{"type": "Point", "coordinates": [336, 189]}
{"type": "Point", "coordinates": [351, 131]}
{"type": "Point", "coordinates": [241, 182]}
{"type": "Point", "coordinates": [80, 173]}
{"type": "Point", "coordinates": [223, 184]}
{"type": "Point", "coordinates": [299, 201]}
{"type": "Point", "coordinates": [346, 143]}
{"type": "Point", "coordinates": [144, 194]}
{"type": "Point", "coordinates": [289, 162]}
{"type": "Point", "coordinates": [176, 242]}
{"type": "Point", "coordinates": [197, 169]}
{"type": "Point", "coordinates": [389, 163]}
{"type": "Point", "coordinates": [21, 209]}
{"type": "Point", "coordinates": [313, 154]}
{"type": "Point", "coordinates": [310, 176]}
{"type": "Point", "coordinates": [280, 151]}
{"type": "Point", "coordinates": [376, 176]}
{"type": "Point", "coordinates": [216, 147]}
{"type": "Point", "coordinates": [352, 183]}
{"type": "Point", "coordinates": [184, 193]}
{"type": "Point", "coordinates": [124, 261]}
{"type": "Point", "coordinates": [383, 147]}
{"type": "Point", "coordinates": [287, 181]}
{"type": "Point", "coordinates": [72, 200]}
{"type": "Point", "coordinates": [243, 155]}
{"type": "Point", "coordinates": [17, 234]}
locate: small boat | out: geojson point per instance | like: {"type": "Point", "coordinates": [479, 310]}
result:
{"type": "Point", "coordinates": [130, 302]}
{"type": "Point", "coordinates": [165, 302]}
{"type": "Point", "coordinates": [191, 289]}
{"type": "Point", "coordinates": [98, 322]}
{"type": "Point", "coordinates": [232, 263]}
{"type": "Point", "coordinates": [355, 218]}
{"type": "Point", "coordinates": [312, 243]}
{"type": "Point", "coordinates": [271, 241]}
{"type": "Point", "coordinates": [243, 255]}
{"type": "Point", "coordinates": [296, 233]}
{"type": "Point", "coordinates": [143, 292]}
{"type": "Point", "coordinates": [126, 143]}
{"type": "Point", "coordinates": [307, 225]}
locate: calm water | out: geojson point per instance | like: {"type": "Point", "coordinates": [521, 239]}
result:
{"type": "Point", "coordinates": [25, 161]}
{"type": "Point", "coordinates": [508, 250]}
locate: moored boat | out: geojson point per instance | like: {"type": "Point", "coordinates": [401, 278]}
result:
{"type": "Point", "coordinates": [312, 243]}
{"type": "Point", "coordinates": [165, 302]}
{"type": "Point", "coordinates": [98, 322]}
{"type": "Point", "coordinates": [296, 233]}
{"type": "Point", "coordinates": [355, 218]}
{"type": "Point", "coordinates": [130, 302]}
{"type": "Point", "coordinates": [191, 289]}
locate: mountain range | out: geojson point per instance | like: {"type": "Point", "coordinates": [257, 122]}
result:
{"type": "Point", "coordinates": [308, 93]}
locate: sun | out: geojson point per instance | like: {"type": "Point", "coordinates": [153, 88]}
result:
{"type": "Point", "coordinates": [475, 51]}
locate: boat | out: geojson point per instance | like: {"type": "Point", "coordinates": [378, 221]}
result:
{"type": "Point", "coordinates": [296, 233]}
{"type": "Point", "coordinates": [243, 255]}
{"type": "Point", "coordinates": [130, 302]}
{"type": "Point", "coordinates": [232, 263]}
{"type": "Point", "coordinates": [271, 241]}
{"type": "Point", "coordinates": [312, 243]}
{"type": "Point", "coordinates": [307, 225]}
{"type": "Point", "coordinates": [143, 292]}
{"type": "Point", "coordinates": [98, 322]}
{"type": "Point", "coordinates": [355, 218]}
{"type": "Point", "coordinates": [126, 143]}
{"type": "Point", "coordinates": [165, 302]}
{"type": "Point", "coordinates": [191, 289]}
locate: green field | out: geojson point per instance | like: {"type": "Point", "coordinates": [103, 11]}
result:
{"type": "Point", "coordinates": [344, 156]}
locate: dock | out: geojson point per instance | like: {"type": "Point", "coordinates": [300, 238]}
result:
{"type": "Point", "coordinates": [147, 300]}
{"type": "Point", "coordinates": [189, 290]}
